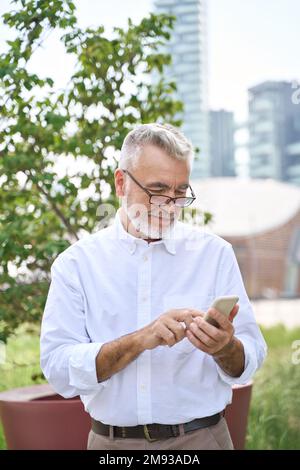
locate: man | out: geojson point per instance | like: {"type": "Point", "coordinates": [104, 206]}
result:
{"type": "Point", "coordinates": [123, 325]}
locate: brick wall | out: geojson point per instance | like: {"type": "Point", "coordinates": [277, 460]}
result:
{"type": "Point", "coordinates": [263, 259]}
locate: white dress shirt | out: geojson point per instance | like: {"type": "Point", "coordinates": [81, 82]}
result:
{"type": "Point", "coordinates": [111, 283]}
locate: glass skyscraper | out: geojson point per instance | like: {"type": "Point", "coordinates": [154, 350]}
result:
{"type": "Point", "coordinates": [188, 47]}
{"type": "Point", "coordinates": [274, 132]}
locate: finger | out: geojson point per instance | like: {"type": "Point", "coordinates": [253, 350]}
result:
{"type": "Point", "coordinates": [186, 315]}
{"type": "Point", "coordinates": [233, 312]}
{"type": "Point", "coordinates": [191, 317]}
{"type": "Point", "coordinates": [219, 317]}
{"type": "Point", "coordinates": [211, 331]}
{"type": "Point", "coordinates": [167, 336]}
{"type": "Point", "coordinates": [188, 319]}
{"type": "Point", "coordinates": [177, 328]}
{"type": "Point", "coordinates": [201, 335]}
{"type": "Point", "coordinates": [197, 313]}
{"type": "Point", "coordinates": [196, 342]}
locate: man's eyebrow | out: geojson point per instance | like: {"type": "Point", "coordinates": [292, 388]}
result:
{"type": "Point", "coordinates": [159, 184]}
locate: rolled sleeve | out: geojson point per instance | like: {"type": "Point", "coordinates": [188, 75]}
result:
{"type": "Point", "coordinates": [82, 367]}
{"type": "Point", "coordinates": [254, 356]}
{"type": "Point", "coordinates": [68, 356]}
{"type": "Point", "coordinates": [245, 327]}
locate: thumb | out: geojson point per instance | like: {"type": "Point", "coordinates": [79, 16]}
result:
{"type": "Point", "coordinates": [233, 312]}
{"type": "Point", "coordinates": [186, 315]}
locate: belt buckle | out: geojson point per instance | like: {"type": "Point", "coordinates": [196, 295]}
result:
{"type": "Point", "coordinates": [147, 435]}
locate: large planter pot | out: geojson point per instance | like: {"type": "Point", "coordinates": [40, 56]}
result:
{"type": "Point", "coordinates": [237, 413]}
{"type": "Point", "coordinates": [37, 418]}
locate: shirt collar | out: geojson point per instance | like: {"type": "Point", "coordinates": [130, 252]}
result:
{"type": "Point", "coordinates": [131, 242]}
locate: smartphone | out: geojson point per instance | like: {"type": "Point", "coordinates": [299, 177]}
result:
{"type": "Point", "coordinates": [224, 305]}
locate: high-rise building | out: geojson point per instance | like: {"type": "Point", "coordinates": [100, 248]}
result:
{"type": "Point", "coordinates": [274, 132]}
{"type": "Point", "coordinates": [222, 143]}
{"type": "Point", "coordinates": [188, 48]}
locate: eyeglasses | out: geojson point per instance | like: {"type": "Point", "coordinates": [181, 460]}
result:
{"type": "Point", "coordinates": [162, 200]}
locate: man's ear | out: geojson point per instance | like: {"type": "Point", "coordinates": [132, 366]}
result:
{"type": "Point", "coordinates": [119, 182]}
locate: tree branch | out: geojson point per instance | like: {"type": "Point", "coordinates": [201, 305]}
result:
{"type": "Point", "coordinates": [56, 209]}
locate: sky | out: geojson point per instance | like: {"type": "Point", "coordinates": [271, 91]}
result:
{"type": "Point", "coordinates": [249, 41]}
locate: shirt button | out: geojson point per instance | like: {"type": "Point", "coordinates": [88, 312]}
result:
{"type": "Point", "coordinates": [143, 387]}
{"type": "Point", "coordinates": [145, 258]}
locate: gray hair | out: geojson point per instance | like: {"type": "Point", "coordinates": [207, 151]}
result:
{"type": "Point", "coordinates": [165, 136]}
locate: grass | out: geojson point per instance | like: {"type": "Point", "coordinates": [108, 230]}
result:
{"type": "Point", "coordinates": [274, 420]}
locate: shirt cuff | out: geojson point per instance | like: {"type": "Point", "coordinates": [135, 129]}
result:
{"type": "Point", "coordinates": [251, 365]}
{"type": "Point", "coordinates": [82, 368]}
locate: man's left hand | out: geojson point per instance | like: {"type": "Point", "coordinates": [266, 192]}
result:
{"type": "Point", "coordinates": [208, 338]}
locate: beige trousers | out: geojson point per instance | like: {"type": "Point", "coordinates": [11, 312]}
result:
{"type": "Point", "coordinates": [215, 437]}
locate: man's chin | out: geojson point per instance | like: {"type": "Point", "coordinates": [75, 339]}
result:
{"type": "Point", "coordinates": [151, 226]}
{"type": "Point", "coordinates": [158, 229]}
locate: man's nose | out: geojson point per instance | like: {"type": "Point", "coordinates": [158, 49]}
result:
{"type": "Point", "coordinates": [170, 207]}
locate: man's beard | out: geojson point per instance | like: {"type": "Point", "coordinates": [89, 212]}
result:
{"type": "Point", "coordinates": [151, 227]}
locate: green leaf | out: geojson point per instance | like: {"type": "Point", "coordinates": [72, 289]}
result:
{"type": "Point", "coordinates": [57, 145]}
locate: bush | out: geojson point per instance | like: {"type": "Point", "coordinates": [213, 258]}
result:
{"type": "Point", "coordinates": [43, 129]}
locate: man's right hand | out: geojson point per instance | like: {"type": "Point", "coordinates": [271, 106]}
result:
{"type": "Point", "coordinates": [169, 328]}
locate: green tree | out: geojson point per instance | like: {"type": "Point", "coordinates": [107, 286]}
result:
{"type": "Point", "coordinates": [43, 129]}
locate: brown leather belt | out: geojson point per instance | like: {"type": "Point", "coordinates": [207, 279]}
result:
{"type": "Point", "coordinates": [153, 432]}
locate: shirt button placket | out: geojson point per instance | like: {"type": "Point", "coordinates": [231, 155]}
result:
{"type": "Point", "coordinates": [144, 410]}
